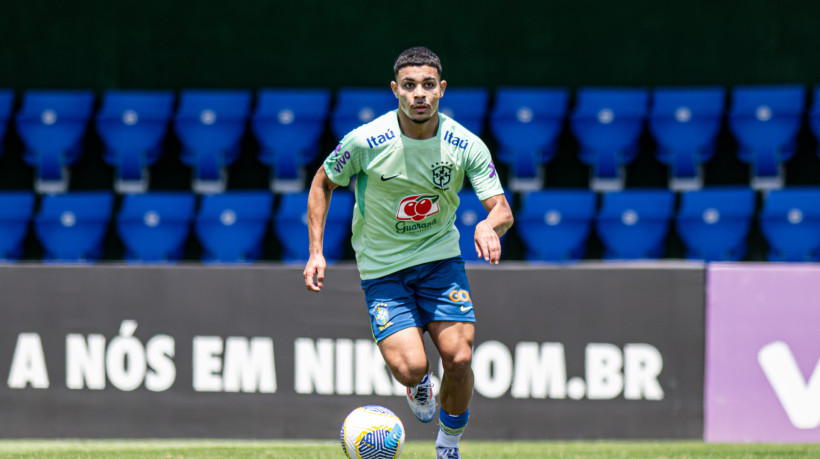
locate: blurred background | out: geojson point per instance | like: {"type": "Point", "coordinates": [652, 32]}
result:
{"type": "Point", "coordinates": [253, 45]}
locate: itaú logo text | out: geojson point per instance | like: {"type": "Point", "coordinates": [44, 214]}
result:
{"type": "Point", "coordinates": [418, 207]}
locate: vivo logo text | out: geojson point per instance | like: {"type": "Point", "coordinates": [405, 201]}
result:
{"type": "Point", "coordinates": [800, 398]}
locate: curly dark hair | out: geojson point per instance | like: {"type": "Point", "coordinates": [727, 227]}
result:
{"type": "Point", "coordinates": [417, 56]}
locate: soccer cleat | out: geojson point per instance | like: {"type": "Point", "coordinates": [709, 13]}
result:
{"type": "Point", "coordinates": [447, 453]}
{"type": "Point", "coordinates": [421, 400]}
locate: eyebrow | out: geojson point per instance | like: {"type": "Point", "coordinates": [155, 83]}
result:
{"type": "Point", "coordinates": [424, 79]}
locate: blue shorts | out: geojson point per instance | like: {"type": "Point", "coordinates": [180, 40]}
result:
{"type": "Point", "coordinates": [418, 295]}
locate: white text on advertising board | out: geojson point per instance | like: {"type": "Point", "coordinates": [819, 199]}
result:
{"type": "Point", "coordinates": [232, 364]}
{"type": "Point", "coordinates": [532, 370]}
{"type": "Point", "coordinates": [326, 366]}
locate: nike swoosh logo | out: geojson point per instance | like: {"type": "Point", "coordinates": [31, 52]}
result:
{"type": "Point", "coordinates": [384, 179]}
{"type": "Point", "coordinates": [466, 308]}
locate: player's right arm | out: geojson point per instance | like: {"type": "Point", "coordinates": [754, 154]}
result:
{"type": "Point", "coordinates": [338, 168]}
{"type": "Point", "coordinates": [318, 203]}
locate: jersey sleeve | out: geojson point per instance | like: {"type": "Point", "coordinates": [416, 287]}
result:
{"type": "Point", "coordinates": [344, 161]}
{"type": "Point", "coordinates": [481, 172]}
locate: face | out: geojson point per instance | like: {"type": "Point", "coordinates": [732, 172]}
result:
{"type": "Point", "coordinates": [418, 88]}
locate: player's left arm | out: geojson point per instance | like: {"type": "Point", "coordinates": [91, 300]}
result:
{"type": "Point", "coordinates": [488, 232]}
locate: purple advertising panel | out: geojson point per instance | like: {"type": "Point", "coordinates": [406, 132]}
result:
{"type": "Point", "coordinates": [762, 351]}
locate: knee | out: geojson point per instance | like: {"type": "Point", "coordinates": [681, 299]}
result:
{"type": "Point", "coordinates": [458, 363]}
{"type": "Point", "coordinates": [410, 372]}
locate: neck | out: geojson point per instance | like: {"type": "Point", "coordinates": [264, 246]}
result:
{"type": "Point", "coordinates": [418, 131]}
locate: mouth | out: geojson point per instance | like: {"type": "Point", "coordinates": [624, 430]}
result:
{"type": "Point", "coordinates": [420, 108]}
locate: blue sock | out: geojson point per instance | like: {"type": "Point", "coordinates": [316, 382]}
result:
{"type": "Point", "coordinates": [450, 428]}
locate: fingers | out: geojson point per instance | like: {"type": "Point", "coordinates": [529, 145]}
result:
{"type": "Point", "coordinates": [489, 248]}
{"type": "Point", "coordinates": [487, 243]}
{"type": "Point", "coordinates": [319, 281]}
{"type": "Point", "coordinates": [314, 277]}
{"type": "Point", "coordinates": [309, 276]}
{"type": "Point", "coordinates": [485, 250]}
{"type": "Point", "coordinates": [493, 254]}
{"type": "Point", "coordinates": [313, 284]}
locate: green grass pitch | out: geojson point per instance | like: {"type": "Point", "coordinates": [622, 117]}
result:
{"type": "Point", "coordinates": [188, 449]}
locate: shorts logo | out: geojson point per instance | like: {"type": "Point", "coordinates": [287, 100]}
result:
{"type": "Point", "coordinates": [381, 315]}
{"type": "Point", "coordinates": [418, 207]}
{"type": "Point", "coordinates": [460, 296]}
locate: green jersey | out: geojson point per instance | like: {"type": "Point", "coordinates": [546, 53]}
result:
{"type": "Point", "coordinates": [407, 190]}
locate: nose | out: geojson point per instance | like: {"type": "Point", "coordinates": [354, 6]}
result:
{"type": "Point", "coordinates": [418, 92]}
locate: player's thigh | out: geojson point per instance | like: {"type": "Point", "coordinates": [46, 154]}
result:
{"type": "Point", "coordinates": [403, 351]}
{"type": "Point", "coordinates": [454, 341]}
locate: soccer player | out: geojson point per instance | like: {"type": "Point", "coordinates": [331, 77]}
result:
{"type": "Point", "coordinates": [410, 165]}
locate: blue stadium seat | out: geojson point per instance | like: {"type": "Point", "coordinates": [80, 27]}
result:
{"type": "Point", "coordinates": [526, 123]}
{"type": "Point", "coordinates": [765, 121]}
{"type": "Point", "coordinates": [633, 224]}
{"type": "Point", "coordinates": [814, 115]}
{"type": "Point", "coordinates": [133, 124]}
{"type": "Point", "coordinates": [288, 124]}
{"type": "Point", "coordinates": [357, 106]}
{"type": "Point", "coordinates": [608, 124]}
{"type": "Point", "coordinates": [71, 226]}
{"type": "Point", "coordinates": [714, 222]}
{"type": "Point", "coordinates": [470, 211]}
{"type": "Point", "coordinates": [16, 210]}
{"type": "Point", "coordinates": [154, 226]}
{"type": "Point", "coordinates": [52, 125]}
{"type": "Point", "coordinates": [790, 222]}
{"type": "Point", "coordinates": [210, 125]}
{"type": "Point", "coordinates": [6, 107]}
{"type": "Point", "coordinates": [685, 123]}
{"type": "Point", "coordinates": [554, 224]}
{"type": "Point", "coordinates": [290, 226]}
{"type": "Point", "coordinates": [468, 106]}
{"type": "Point", "coordinates": [230, 226]}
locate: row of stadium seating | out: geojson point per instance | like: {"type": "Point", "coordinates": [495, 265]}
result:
{"type": "Point", "coordinates": [553, 224]}
{"type": "Point", "coordinates": [525, 122]}
{"type": "Point", "coordinates": [713, 223]}
{"type": "Point", "coordinates": [153, 227]}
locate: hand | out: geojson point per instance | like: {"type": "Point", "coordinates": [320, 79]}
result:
{"type": "Point", "coordinates": [487, 243]}
{"type": "Point", "coordinates": [315, 273]}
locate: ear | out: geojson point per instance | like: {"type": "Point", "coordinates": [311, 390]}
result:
{"type": "Point", "coordinates": [443, 86]}
{"type": "Point", "coordinates": [395, 87]}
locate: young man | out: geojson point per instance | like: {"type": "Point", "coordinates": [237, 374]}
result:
{"type": "Point", "coordinates": [410, 164]}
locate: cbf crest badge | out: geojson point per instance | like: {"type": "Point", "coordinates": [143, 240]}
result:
{"type": "Point", "coordinates": [381, 315]}
{"type": "Point", "coordinates": [442, 173]}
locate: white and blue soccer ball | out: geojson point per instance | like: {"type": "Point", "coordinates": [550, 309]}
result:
{"type": "Point", "coordinates": [372, 432]}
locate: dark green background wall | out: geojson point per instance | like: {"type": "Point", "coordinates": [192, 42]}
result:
{"type": "Point", "coordinates": [255, 43]}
